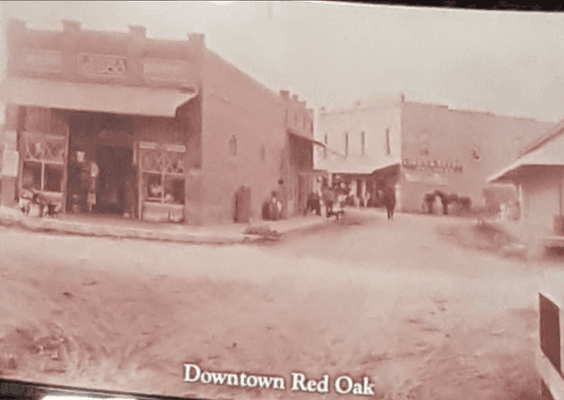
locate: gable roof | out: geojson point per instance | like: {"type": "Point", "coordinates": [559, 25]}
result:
{"type": "Point", "coordinates": [550, 134]}
{"type": "Point", "coordinates": [547, 151]}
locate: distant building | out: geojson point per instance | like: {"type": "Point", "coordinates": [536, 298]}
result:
{"type": "Point", "coordinates": [539, 175]}
{"type": "Point", "coordinates": [175, 130]}
{"type": "Point", "coordinates": [419, 148]}
{"type": "Point", "coordinates": [363, 144]}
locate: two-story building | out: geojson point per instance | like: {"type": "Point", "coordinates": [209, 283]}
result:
{"type": "Point", "coordinates": [419, 148]}
{"type": "Point", "coordinates": [174, 130]}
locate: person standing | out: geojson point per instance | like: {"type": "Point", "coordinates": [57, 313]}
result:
{"type": "Point", "coordinates": [91, 197]}
{"type": "Point", "coordinates": [390, 200]}
{"type": "Point", "coordinates": [275, 209]}
{"type": "Point", "coordinates": [130, 193]}
{"type": "Point", "coordinates": [328, 199]}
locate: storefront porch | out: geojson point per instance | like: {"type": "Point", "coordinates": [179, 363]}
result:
{"type": "Point", "coordinates": [108, 162]}
{"type": "Point", "coordinates": [117, 227]}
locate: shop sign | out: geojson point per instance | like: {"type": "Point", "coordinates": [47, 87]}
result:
{"type": "Point", "coordinates": [432, 165]}
{"type": "Point", "coordinates": [426, 178]}
{"type": "Point", "coordinates": [42, 60]}
{"type": "Point", "coordinates": [98, 64]}
{"type": "Point", "coordinates": [165, 70]}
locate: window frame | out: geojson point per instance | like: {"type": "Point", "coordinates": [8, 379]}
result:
{"type": "Point", "coordinates": [160, 151]}
{"type": "Point", "coordinates": [33, 138]}
{"type": "Point", "coordinates": [233, 146]}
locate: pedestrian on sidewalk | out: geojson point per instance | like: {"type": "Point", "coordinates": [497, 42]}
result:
{"type": "Point", "coordinates": [313, 204]}
{"type": "Point", "coordinates": [390, 200]}
{"type": "Point", "coordinates": [328, 199]}
{"type": "Point", "coordinates": [274, 207]}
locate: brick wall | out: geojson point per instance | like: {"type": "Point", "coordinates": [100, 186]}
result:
{"type": "Point", "coordinates": [236, 106]}
{"type": "Point", "coordinates": [481, 143]}
{"type": "Point", "coordinates": [79, 55]}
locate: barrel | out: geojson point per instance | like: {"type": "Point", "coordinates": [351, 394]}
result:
{"type": "Point", "coordinates": [243, 204]}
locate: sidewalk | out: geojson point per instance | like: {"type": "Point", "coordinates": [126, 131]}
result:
{"type": "Point", "coordinates": [133, 229]}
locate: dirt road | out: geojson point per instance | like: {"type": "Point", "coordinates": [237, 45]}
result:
{"type": "Point", "coordinates": [391, 300]}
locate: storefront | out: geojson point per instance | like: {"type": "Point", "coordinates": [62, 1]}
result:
{"type": "Point", "coordinates": [105, 123]}
{"type": "Point", "coordinates": [102, 163]}
{"type": "Point", "coordinates": [101, 123]}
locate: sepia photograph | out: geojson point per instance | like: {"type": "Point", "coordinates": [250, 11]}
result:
{"type": "Point", "coordinates": [234, 200]}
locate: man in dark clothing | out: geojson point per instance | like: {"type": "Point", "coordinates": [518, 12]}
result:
{"type": "Point", "coordinates": [314, 203]}
{"type": "Point", "coordinates": [390, 200]}
{"type": "Point", "coordinates": [328, 199]}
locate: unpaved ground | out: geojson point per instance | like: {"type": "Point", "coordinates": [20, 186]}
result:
{"type": "Point", "coordinates": [422, 317]}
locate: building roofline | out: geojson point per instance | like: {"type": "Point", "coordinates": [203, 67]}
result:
{"type": "Point", "coordinates": [363, 104]}
{"type": "Point", "coordinates": [549, 136]}
{"type": "Point", "coordinates": [293, 99]}
{"type": "Point", "coordinates": [477, 111]}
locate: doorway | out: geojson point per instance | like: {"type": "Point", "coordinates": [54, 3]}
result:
{"type": "Point", "coordinates": [114, 164]}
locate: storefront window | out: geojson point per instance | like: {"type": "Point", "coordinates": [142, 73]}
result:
{"type": "Point", "coordinates": [31, 177]}
{"type": "Point", "coordinates": [163, 175]}
{"type": "Point", "coordinates": [233, 146]}
{"type": "Point", "coordinates": [174, 190]}
{"type": "Point", "coordinates": [53, 178]}
{"type": "Point", "coordinates": [43, 166]}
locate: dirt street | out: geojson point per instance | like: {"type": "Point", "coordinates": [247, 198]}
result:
{"type": "Point", "coordinates": [421, 316]}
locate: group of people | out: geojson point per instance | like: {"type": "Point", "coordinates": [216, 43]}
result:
{"type": "Point", "coordinates": [331, 199]}
{"type": "Point", "coordinates": [334, 198]}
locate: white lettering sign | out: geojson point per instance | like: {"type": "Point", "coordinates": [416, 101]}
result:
{"type": "Point", "coordinates": [299, 382]}
{"type": "Point", "coordinates": [99, 64]}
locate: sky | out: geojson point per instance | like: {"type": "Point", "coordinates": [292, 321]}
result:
{"type": "Point", "coordinates": [330, 54]}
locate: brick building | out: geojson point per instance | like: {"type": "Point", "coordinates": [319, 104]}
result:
{"type": "Point", "coordinates": [175, 130]}
{"type": "Point", "coordinates": [420, 148]}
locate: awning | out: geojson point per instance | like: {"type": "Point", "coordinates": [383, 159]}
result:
{"type": "Point", "coordinates": [130, 100]}
{"type": "Point", "coordinates": [356, 166]}
{"type": "Point", "coordinates": [308, 139]}
{"type": "Point", "coordinates": [551, 154]}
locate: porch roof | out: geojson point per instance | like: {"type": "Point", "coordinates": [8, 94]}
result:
{"type": "Point", "coordinates": [130, 100]}
{"type": "Point", "coordinates": [309, 139]}
{"type": "Point", "coordinates": [550, 154]}
{"type": "Point", "coordinates": [356, 166]}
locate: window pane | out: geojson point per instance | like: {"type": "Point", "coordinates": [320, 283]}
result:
{"type": "Point", "coordinates": [174, 190]}
{"type": "Point", "coordinates": [233, 146]}
{"type": "Point", "coordinates": [31, 176]}
{"type": "Point", "coordinates": [153, 187]}
{"type": "Point", "coordinates": [53, 178]}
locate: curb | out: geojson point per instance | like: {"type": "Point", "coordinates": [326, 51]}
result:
{"type": "Point", "coordinates": [47, 225]}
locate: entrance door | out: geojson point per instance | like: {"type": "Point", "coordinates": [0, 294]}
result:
{"type": "Point", "coordinates": [114, 165]}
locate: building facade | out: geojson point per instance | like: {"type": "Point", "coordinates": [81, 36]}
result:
{"type": "Point", "coordinates": [421, 148]}
{"type": "Point", "coordinates": [175, 131]}
{"type": "Point", "coordinates": [363, 145]}
{"type": "Point", "coordinates": [539, 175]}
